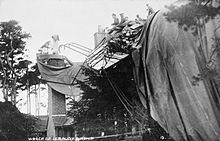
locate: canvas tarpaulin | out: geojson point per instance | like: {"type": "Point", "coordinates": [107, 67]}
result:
{"type": "Point", "coordinates": [168, 63]}
{"type": "Point", "coordinates": [60, 73]}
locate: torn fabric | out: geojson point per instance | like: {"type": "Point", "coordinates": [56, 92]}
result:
{"type": "Point", "coordinates": [168, 64]}
{"type": "Point", "coordinates": [60, 73]}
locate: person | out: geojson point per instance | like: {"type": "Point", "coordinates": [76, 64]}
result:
{"type": "Point", "coordinates": [116, 20]}
{"type": "Point", "coordinates": [100, 29]}
{"type": "Point", "coordinates": [147, 135]}
{"type": "Point", "coordinates": [149, 9]}
{"type": "Point", "coordinates": [123, 18]}
{"type": "Point", "coordinates": [138, 17]}
{"type": "Point", "coordinates": [1, 28]}
{"type": "Point", "coordinates": [55, 46]}
{"type": "Point", "coordinates": [45, 48]}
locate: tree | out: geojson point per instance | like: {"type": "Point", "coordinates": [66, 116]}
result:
{"type": "Point", "coordinates": [13, 65]}
{"type": "Point", "coordinates": [193, 17]}
{"type": "Point", "coordinates": [15, 125]}
{"type": "Point", "coordinates": [192, 13]}
{"type": "Point", "coordinates": [111, 95]}
{"type": "Point", "coordinates": [99, 109]}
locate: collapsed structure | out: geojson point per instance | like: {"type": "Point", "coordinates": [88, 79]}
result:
{"type": "Point", "coordinates": [60, 75]}
{"type": "Point", "coordinates": [176, 71]}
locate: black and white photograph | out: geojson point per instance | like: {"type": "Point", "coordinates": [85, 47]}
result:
{"type": "Point", "coordinates": [109, 70]}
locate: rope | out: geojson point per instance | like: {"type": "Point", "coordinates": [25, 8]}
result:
{"type": "Point", "coordinates": [116, 92]}
{"type": "Point", "coordinates": [123, 96]}
{"type": "Point", "coordinates": [119, 92]}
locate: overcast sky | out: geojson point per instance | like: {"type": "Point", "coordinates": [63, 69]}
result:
{"type": "Point", "coordinates": [73, 20]}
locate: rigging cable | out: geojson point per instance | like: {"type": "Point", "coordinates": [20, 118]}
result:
{"type": "Point", "coordinates": [72, 44]}
{"type": "Point", "coordinates": [129, 103]}
{"type": "Point", "coordinates": [67, 46]}
{"type": "Point", "coordinates": [117, 94]}
{"type": "Point", "coordinates": [82, 46]}
{"type": "Point", "coordinates": [123, 97]}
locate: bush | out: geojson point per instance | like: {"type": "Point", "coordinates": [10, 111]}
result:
{"type": "Point", "coordinates": [14, 126]}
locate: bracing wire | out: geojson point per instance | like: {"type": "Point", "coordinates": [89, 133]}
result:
{"type": "Point", "coordinates": [72, 45]}
{"type": "Point", "coordinates": [100, 53]}
{"type": "Point", "coordinates": [82, 46]}
{"type": "Point", "coordinates": [97, 47]}
{"type": "Point", "coordinates": [124, 100]}
{"type": "Point", "coordinates": [129, 103]}
{"type": "Point", "coordinates": [118, 92]}
{"type": "Point", "coordinates": [67, 46]}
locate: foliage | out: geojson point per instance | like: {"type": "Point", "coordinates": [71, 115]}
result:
{"type": "Point", "coordinates": [31, 76]}
{"type": "Point", "coordinates": [15, 70]}
{"type": "Point", "coordinates": [123, 41]}
{"type": "Point", "coordinates": [99, 108]}
{"type": "Point", "coordinates": [99, 104]}
{"type": "Point", "coordinates": [192, 14]}
{"type": "Point", "coordinates": [13, 63]}
{"type": "Point", "coordinates": [110, 95]}
{"type": "Point", "coordinates": [15, 125]}
{"type": "Point", "coordinates": [122, 37]}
